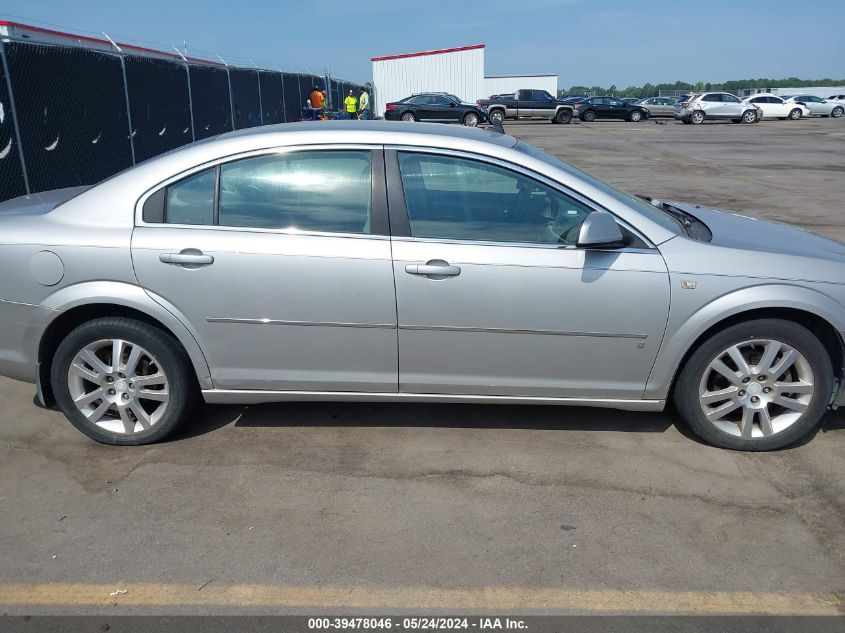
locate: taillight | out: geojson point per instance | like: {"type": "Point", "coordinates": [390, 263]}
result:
{"type": "Point", "coordinates": [390, 106]}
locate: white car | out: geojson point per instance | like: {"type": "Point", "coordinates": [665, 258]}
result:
{"type": "Point", "coordinates": [773, 107]}
{"type": "Point", "coordinates": [819, 106]}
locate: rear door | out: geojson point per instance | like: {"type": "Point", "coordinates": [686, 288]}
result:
{"type": "Point", "coordinates": [280, 264]}
{"type": "Point", "coordinates": [493, 297]}
{"type": "Point", "coordinates": [732, 106]}
{"type": "Point", "coordinates": [600, 107]}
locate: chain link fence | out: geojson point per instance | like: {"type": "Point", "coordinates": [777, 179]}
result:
{"type": "Point", "coordinates": [71, 115]}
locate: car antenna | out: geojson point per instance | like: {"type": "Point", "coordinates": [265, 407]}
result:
{"type": "Point", "coordinates": [497, 127]}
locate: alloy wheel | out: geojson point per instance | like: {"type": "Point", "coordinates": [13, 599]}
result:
{"type": "Point", "coordinates": [471, 119]}
{"type": "Point", "coordinates": [118, 386]}
{"type": "Point", "coordinates": [756, 389]}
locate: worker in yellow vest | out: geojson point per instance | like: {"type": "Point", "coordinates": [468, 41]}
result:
{"type": "Point", "coordinates": [351, 104]}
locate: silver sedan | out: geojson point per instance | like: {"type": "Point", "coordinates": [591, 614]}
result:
{"type": "Point", "coordinates": [379, 262]}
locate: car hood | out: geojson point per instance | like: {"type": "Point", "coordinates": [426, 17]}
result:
{"type": "Point", "coordinates": [732, 230]}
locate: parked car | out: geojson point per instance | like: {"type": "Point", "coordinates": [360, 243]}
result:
{"type": "Point", "coordinates": [527, 104]}
{"type": "Point", "coordinates": [696, 108]}
{"type": "Point", "coordinates": [840, 98]}
{"type": "Point", "coordinates": [773, 107]}
{"type": "Point", "coordinates": [658, 106]}
{"type": "Point", "coordinates": [819, 106]}
{"type": "Point", "coordinates": [375, 261]}
{"type": "Point", "coordinates": [608, 108]}
{"type": "Point", "coordinates": [437, 108]}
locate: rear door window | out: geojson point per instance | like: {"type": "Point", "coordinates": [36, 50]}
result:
{"type": "Point", "coordinates": [323, 191]}
{"type": "Point", "coordinates": [191, 200]}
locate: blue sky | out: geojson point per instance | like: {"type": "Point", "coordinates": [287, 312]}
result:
{"type": "Point", "coordinates": [591, 42]}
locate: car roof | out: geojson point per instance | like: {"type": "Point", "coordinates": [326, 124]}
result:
{"type": "Point", "coordinates": [345, 131]}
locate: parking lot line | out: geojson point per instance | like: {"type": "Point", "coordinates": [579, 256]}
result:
{"type": "Point", "coordinates": [483, 598]}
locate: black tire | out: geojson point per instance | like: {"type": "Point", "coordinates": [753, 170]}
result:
{"type": "Point", "coordinates": [636, 116]}
{"type": "Point", "coordinates": [837, 112]}
{"type": "Point", "coordinates": [749, 116]}
{"type": "Point", "coordinates": [408, 117]}
{"type": "Point", "coordinates": [173, 362]}
{"type": "Point", "coordinates": [563, 117]}
{"type": "Point", "coordinates": [795, 114]}
{"type": "Point", "coordinates": [686, 391]}
{"type": "Point", "coordinates": [686, 121]}
{"type": "Point", "coordinates": [589, 116]}
{"type": "Point", "coordinates": [471, 119]}
{"type": "Point", "coordinates": [496, 116]}
{"type": "Point", "coordinates": [697, 117]}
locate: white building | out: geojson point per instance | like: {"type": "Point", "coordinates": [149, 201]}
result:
{"type": "Point", "coordinates": [459, 71]}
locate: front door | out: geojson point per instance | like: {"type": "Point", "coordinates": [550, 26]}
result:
{"type": "Point", "coordinates": [493, 297]}
{"type": "Point", "coordinates": [281, 266]}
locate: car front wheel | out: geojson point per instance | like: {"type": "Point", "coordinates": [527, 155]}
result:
{"type": "Point", "coordinates": [636, 116]}
{"type": "Point", "coordinates": [838, 111]}
{"type": "Point", "coordinates": [756, 386]}
{"type": "Point", "coordinates": [121, 381]}
{"type": "Point", "coordinates": [749, 116]}
{"type": "Point", "coordinates": [795, 114]}
{"type": "Point", "coordinates": [471, 119]}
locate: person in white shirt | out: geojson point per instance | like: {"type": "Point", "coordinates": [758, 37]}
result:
{"type": "Point", "coordinates": [364, 105]}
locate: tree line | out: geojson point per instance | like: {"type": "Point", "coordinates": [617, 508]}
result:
{"type": "Point", "coordinates": [652, 90]}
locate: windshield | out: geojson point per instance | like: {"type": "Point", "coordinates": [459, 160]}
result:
{"type": "Point", "coordinates": [654, 214]}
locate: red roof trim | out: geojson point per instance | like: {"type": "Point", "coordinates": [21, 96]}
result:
{"type": "Point", "coordinates": [436, 52]}
{"type": "Point", "coordinates": [96, 40]}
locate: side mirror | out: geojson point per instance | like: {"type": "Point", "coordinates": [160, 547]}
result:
{"type": "Point", "coordinates": [452, 104]}
{"type": "Point", "coordinates": [600, 230]}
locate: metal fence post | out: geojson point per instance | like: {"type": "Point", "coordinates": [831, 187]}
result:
{"type": "Point", "coordinates": [231, 95]}
{"type": "Point", "coordinates": [128, 109]}
{"type": "Point", "coordinates": [190, 96]}
{"type": "Point", "coordinates": [14, 115]}
{"type": "Point", "coordinates": [190, 102]}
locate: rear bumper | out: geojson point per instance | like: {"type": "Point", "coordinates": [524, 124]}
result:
{"type": "Point", "coordinates": [21, 326]}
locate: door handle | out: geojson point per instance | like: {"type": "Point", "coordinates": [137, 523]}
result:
{"type": "Point", "coordinates": [196, 258]}
{"type": "Point", "coordinates": [432, 269]}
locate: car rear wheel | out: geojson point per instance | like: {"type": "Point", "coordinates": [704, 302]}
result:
{"type": "Point", "coordinates": [759, 385]}
{"type": "Point", "coordinates": [795, 114]}
{"type": "Point", "coordinates": [496, 116]}
{"type": "Point", "coordinates": [589, 116]}
{"type": "Point", "coordinates": [635, 116]}
{"type": "Point", "coordinates": [120, 381]}
{"type": "Point", "coordinates": [409, 117]}
{"type": "Point", "coordinates": [837, 112]}
{"type": "Point", "coordinates": [563, 117]}
{"type": "Point", "coordinates": [697, 117]}
{"type": "Point", "coordinates": [749, 116]}
{"type": "Point", "coordinates": [471, 119]}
